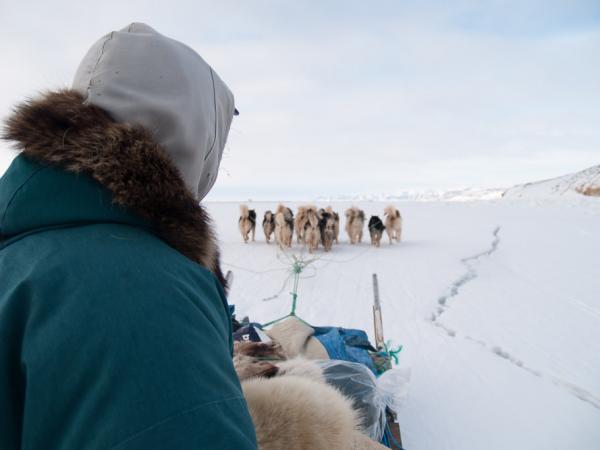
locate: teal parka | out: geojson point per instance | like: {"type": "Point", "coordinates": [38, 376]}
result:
{"type": "Point", "coordinates": [114, 326]}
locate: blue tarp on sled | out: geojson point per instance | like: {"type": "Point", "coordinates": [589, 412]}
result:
{"type": "Point", "coordinates": [346, 344]}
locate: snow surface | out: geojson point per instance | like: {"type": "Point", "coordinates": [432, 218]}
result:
{"type": "Point", "coordinates": [571, 185]}
{"type": "Point", "coordinates": [497, 305]}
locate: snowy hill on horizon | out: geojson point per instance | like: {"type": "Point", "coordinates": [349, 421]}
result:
{"type": "Point", "coordinates": [585, 182]}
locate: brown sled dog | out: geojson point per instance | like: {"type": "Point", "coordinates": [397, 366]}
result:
{"type": "Point", "coordinates": [336, 219]}
{"type": "Point", "coordinates": [247, 222]}
{"type": "Point", "coordinates": [312, 232]}
{"type": "Point", "coordinates": [268, 225]}
{"type": "Point", "coordinates": [393, 223]}
{"type": "Point", "coordinates": [300, 221]}
{"type": "Point", "coordinates": [355, 220]}
{"type": "Point", "coordinates": [284, 226]}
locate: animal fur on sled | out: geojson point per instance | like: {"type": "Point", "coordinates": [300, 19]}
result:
{"type": "Point", "coordinates": [294, 412]}
{"type": "Point", "coordinates": [291, 405]}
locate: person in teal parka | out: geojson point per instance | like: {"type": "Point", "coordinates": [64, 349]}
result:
{"type": "Point", "coordinates": [114, 325]}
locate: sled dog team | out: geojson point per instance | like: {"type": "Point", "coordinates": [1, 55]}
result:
{"type": "Point", "coordinates": [316, 226]}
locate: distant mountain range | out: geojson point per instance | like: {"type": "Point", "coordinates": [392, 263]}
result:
{"type": "Point", "coordinates": [431, 195]}
{"type": "Point", "coordinates": [586, 182]}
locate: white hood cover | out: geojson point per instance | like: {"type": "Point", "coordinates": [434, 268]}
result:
{"type": "Point", "coordinates": [140, 76]}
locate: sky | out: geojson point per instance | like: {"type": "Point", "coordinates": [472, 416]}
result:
{"type": "Point", "coordinates": [348, 97]}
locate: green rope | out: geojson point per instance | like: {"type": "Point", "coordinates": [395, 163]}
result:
{"type": "Point", "coordinates": [297, 267]}
{"type": "Point", "coordinates": [384, 357]}
{"type": "Point", "coordinates": [393, 353]}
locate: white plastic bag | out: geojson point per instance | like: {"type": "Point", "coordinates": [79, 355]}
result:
{"type": "Point", "coordinates": [370, 395]}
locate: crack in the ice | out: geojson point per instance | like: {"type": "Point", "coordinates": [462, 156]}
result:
{"type": "Point", "coordinates": [498, 351]}
{"type": "Point", "coordinates": [578, 392]}
{"type": "Point", "coordinates": [470, 275]}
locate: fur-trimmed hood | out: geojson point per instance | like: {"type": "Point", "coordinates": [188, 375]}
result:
{"type": "Point", "coordinates": [59, 129]}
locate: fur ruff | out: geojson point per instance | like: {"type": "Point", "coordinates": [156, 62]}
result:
{"type": "Point", "coordinates": [60, 129]}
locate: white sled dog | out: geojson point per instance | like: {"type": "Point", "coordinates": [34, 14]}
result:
{"type": "Point", "coordinates": [355, 221]}
{"type": "Point", "coordinates": [284, 226]}
{"type": "Point", "coordinates": [393, 223]}
{"type": "Point", "coordinates": [247, 222]}
{"type": "Point", "coordinates": [268, 225]}
{"type": "Point", "coordinates": [312, 232]}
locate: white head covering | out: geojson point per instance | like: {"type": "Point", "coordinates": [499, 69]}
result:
{"type": "Point", "coordinates": [140, 76]}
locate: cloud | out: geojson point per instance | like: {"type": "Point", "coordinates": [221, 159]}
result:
{"type": "Point", "coordinates": [338, 96]}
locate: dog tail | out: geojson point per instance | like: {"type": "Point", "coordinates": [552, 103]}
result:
{"type": "Point", "coordinates": [244, 212]}
{"type": "Point", "coordinates": [391, 211]}
{"type": "Point", "coordinates": [281, 208]}
{"type": "Point", "coordinates": [312, 216]}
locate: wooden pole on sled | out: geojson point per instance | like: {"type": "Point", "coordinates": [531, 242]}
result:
{"type": "Point", "coordinates": [378, 322]}
{"type": "Point", "coordinates": [391, 418]}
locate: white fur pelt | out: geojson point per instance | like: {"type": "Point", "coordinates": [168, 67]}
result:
{"type": "Point", "coordinates": [300, 367]}
{"type": "Point", "coordinates": [298, 413]}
